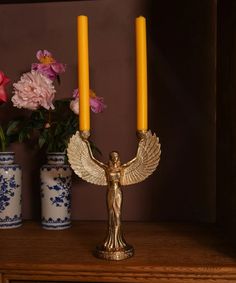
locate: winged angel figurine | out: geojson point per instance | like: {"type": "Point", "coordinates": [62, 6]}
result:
{"type": "Point", "coordinates": [114, 175]}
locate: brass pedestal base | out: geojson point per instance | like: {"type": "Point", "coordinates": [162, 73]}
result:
{"type": "Point", "coordinates": [124, 253]}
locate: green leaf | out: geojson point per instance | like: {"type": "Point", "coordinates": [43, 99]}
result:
{"type": "Point", "coordinates": [59, 129]}
{"type": "Point", "coordinates": [2, 139]}
{"type": "Point", "coordinates": [95, 148]}
{"type": "Point", "coordinates": [41, 141]}
{"type": "Point", "coordinates": [21, 136]}
{"type": "Point", "coordinates": [12, 127]}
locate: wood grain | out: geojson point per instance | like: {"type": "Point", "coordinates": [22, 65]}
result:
{"type": "Point", "coordinates": [163, 253]}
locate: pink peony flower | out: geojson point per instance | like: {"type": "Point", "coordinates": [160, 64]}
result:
{"type": "Point", "coordinates": [48, 66]}
{"type": "Point", "coordinates": [32, 91]}
{"type": "Point", "coordinates": [4, 80]}
{"type": "Point", "coordinates": [96, 103]}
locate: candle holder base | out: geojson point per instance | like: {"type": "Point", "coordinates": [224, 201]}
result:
{"type": "Point", "coordinates": [112, 254]}
{"type": "Point", "coordinates": [113, 175]}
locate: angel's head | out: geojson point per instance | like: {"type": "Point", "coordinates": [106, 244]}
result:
{"type": "Point", "coordinates": [114, 158]}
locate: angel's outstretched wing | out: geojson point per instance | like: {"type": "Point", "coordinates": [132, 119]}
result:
{"type": "Point", "coordinates": [83, 163]}
{"type": "Point", "coordinates": [145, 162]}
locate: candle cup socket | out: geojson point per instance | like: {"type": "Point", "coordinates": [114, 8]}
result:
{"type": "Point", "coordinates": [141, 134]}
{"type": "Point", "coordinates": [85, 134]}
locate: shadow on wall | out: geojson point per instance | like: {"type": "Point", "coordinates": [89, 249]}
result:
{"type": "Point", "coordinates": [181, 56]}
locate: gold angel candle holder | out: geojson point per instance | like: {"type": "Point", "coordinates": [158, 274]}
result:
{"type": "Point", "coordinates": [114, 175]}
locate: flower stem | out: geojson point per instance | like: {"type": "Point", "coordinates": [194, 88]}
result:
{"type": "Point", "coordinates": [2, 140]}
{"type": "Point", "coordinates": [49, 117]}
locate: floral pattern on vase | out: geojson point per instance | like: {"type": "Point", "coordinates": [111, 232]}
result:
{"type": "Point", "coordinates": [56, 192]}
{"type": "Point", "coordinates": [10, 191]}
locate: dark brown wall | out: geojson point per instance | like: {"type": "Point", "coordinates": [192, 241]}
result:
{"type": "Point", "coordinates": [181, 72]}
{"type": "Point", "coordinates": [226, 130]}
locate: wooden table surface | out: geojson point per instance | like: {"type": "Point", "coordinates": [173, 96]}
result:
{"type": "Point", "coordinates": [163, 251]}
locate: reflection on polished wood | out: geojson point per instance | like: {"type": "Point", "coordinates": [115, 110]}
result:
{"type": "Point", "coordinates": [163, 253]}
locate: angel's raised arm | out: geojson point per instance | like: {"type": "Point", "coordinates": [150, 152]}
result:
{"type": "Point", "coordinates": [135, 159]}
{"type": "Point", "coordinates": [127, 164]}
{"type": "Point", "coordinates": [142, 138]}
{"type": "Point", "coordinates": [99, 163]}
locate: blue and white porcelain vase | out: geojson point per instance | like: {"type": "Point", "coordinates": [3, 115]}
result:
{"type": "Point", "coordinates": [55, 179]}
{"type": "Point", "coordinates": [10, 191]}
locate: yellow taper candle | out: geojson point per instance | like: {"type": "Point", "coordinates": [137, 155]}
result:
{"type": "Point", "coordinates": [83, 73]}
{"type": "Point", "coordinates": [141, 74]}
